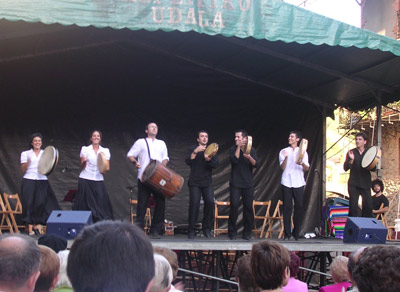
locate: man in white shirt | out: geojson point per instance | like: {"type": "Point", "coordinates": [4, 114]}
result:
{"type": "Point", "coordinates": [293, 185]}
{"type": "Point", "coordinates": [141, 153]}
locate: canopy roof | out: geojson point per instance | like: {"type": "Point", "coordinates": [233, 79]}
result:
{"type": "Point", "coordinates": [268, 43]}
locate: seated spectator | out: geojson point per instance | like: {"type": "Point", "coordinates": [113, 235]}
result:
{"type": "Point", "coordinates": [49, 267]}
{"type": "Point", "coordinates": [270, 265]}
{"type": "Point", "coordinates": [172, 258]}
{"type": "Point", "coordinates": [63, 284]}
{"type": "Point", "coordinates": [244, 275]}
{"type": "Point", "coordinates": [378, 198]}
{"type": "Point", "coordinates": [111, 256]}
{"type": "Point", "coordinates": [163, 275]}
{"type": "Point", "coordinates": [340, 275]}
{"type": "Point", "coordinates": [351, 265]}
{"type": "Point", "coordinates": [378, 269]}
{"type": "Point", "coordinates": [53, 241]}
{"type": "Point", "coordinates": [293, 284]}
{"type": "Point", "coordinates": [19, 263]}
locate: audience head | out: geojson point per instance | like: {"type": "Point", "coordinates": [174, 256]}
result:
{"type": "Point", "coordinates": [352, 263]}
{"type": "Point", "coordinates": [294, 264]}
{"type": "Point", "coordinates": [244, 275]}
{"type": "Point", "coordinates": [63, 280]}
{"type": "Point", "coordinates": [53, 241]}
{"type": "Point", "coordinates": [163, 275]}
{"type": "Point", "coordinates": [171, 257]}
{"type": "Point", "coordinates": [378, 269]}
{"type": "Point", "coordinates": [270, 264]}
{"type": "Point", "coordinates": [49, 267]}
{"type": "Point", "coordinates": [19, 263]}
{"type": "Point", "coordinates": [111, 256]}
{"type": "Point", "coordinates": [339, 269]}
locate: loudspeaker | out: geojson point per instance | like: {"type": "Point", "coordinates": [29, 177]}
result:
{"type": "Point", "coordinates": [68, 224]}
{"type": "Point", "coordinates": [364, 230]}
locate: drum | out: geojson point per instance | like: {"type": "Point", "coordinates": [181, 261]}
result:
{"type": "Point", "coordinates": [211, 150]}
{"type": "Point", "coordinates": [162, 179]}
{"type": "Point", "coordinates": [102, 162]}
{"type": "Point", "coordinates": [48, 160]}
{"type": "Point", "coordinates": [247, 149]}
{"type": "Point", "coordinates": [302, 150]}
{"type": "Point", "coordinates": [371, 158]}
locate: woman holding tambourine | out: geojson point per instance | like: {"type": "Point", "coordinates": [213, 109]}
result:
{"type": "Point", "coordinates": [92, 194]}
{"type": "Point", "coordinates": [37, 196]}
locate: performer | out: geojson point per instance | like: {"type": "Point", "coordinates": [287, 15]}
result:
{"type": "Point", "coordinates": [241, 184]}
{"type": "Point", "coordinates": [37, 197]}
{"type": "Point", "coordinates": [92, 194]}
{"type": "Point", "coordinates": [140, 154]}
{"type": "Point", "coordinates": [378, 199]}
{"type": "Point", "coordinates": [359, 182]}
{"type": "Point", "coordinates": [293, 183]}
{"type": "Point", "coordinates": [200, 184]}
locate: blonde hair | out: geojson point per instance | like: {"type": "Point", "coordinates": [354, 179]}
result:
{"type": "Point", "coordinates": [49, 267]}
{"type": "Point", "coordinates": [339, 269]}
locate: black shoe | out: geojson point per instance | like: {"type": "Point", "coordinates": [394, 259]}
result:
{"type": "Point", "coordinates": [191, 235]}
{"type": "Point", "coordinates": [232, 237]}
{"type": "Point", "coordinates": [207, 233]}
{"type": "Point", "coordinates": [246, 237]}
{"type": "Point", "coordinates": [154, 235]}
{"type": "Point", "coordinates": [290, 238]}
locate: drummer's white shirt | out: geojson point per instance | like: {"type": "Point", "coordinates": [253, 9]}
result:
{"type": "Point", "coordinates": [32, 171]}
{"type": "Point", "coordinates": [91, 171]}
{"type": "Point", "coordinates": [158, 151]}
{"type": "Point", "coordinates": [293, 175]}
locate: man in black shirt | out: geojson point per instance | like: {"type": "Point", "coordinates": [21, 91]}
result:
{"type": "Point", "coordinates": [378, 199]}
{"type": "Point", "coordinates": [241, 184]}
{"type": "Point", "coordinates": [200, 184]}
{"type": "Point", "coordinates": [359, 182]}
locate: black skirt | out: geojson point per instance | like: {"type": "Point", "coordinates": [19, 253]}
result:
{"type": "Point", "coordinates": [38, 200]}
{"type": "Point", "coordinates": [92, 196]}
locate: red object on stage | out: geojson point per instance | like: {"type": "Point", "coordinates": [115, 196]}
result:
{"type": "Point", "coordinates": [70, 195]}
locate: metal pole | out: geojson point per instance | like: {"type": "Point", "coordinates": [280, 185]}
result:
{"type": "Point", "coordinates": [379, 130]}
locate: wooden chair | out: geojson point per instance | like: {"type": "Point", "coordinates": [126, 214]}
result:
{"type": "Point", "coordinates": [147, 217]}
{"type": "Point", "coordinates": [276, 216]}
{"type": "Point", "coordinates": [381, 217]}
{"type": "Point", "coordinates": [5, 223]}
{"type": "Point", "coordinates": [217, 217]}
{"type": "Point", "coordinates": [260, 205]}
{"type": "Point", "coordinates": [16, 210]}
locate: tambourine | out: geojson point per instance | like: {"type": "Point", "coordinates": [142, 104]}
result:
{"type": "Point", "coordinates": [102, 162]}
{"type": "Point", "coordinates": [247, 148]}
{"type": "Point", "coordinates": [371, 157]}
{"type": "Point", "coordinates": [211, 150]}
{"type": "Point", "coordinates": [48, 160]}
{"type": "Point", "coordinates": [302, 150]}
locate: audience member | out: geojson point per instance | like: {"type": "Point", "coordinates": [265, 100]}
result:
{"type": "Point", "coordinates": [163, 275]}
{"type": "Point", "coordinates": [49, 267]}
{"type": "Point", "coordinates": [244, 275]}
{"type": "Point", "coordinates": [293, 284]}
{"type": "Point", "coordinates": [63, 284]}
{"type": "Point", "coordinates": [340, 275]}
{"type": "Point", "coordinates": [378, 269]}
{"type": "Point", "coordinates": [270, 265]}
{"type": "Point", "coordinates": [53, 241]}
{"type": "Point", "coordinates": [111, 256]}
{"type": "Point", "coordinates": [350, 268]}
{"type": "Point", "coordinates": [172, 258]}
{"type": "Point", "coordinates": [19, 263]}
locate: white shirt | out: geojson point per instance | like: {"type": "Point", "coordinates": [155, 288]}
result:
{"type": "Point", "coordinates": [91, 171]}
{"type": "Point", "coordinates": [293, 175]}
{"type": "Point", "coordinates": [158, 151]}
{"type": "Point", "coordinates": [32, 171]}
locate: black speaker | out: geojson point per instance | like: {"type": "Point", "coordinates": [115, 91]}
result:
{"type": "Point", "coordinates": [68, 224]}
{"type": "Point", "coordinates": [364, 230]}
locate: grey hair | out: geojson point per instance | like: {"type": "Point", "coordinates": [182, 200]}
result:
{"type": "Point", "coordinates": [339, 269]}
{"type": "Point", "coordinates": [63, 281]}
{"type": "Point", "coordinates": [163, 274]}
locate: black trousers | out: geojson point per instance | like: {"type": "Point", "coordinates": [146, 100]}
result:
{"type": "Point", "coordinates": [355, 193]}
{"type": "Point", "coordinates": [194, 205]}
{"type": "Point", "coordinates": [248, 216]}
{"type": "Point", "coordinates": [290, 195]}
{"type": "Point", "coordinates": [144, 193]}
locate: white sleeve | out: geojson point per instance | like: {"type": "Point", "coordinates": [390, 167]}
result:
{"type": "Point", "coordinates": [135, 149]}
{"type": "Point", "coordinates": [24, 157]}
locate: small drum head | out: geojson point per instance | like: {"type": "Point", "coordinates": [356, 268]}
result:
{"type": "Point", "coordinates": [302, 149]}
{"type": "Point", "coordinates": [211, 150]}
{"type": "Point", "coordinates": [247, 149]}
{"type": "Point", "coordinates": [101, 162]}
{"type": "Point", "coordinates": [48, 160]}
{"type": "Point", "coordinates": [371, 158]}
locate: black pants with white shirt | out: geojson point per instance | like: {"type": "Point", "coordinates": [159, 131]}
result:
{"type": "Point", "coordinates": [290, 195]}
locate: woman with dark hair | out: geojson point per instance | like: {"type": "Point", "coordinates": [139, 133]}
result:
{"type": "Point", "coordinates": [37, 196]}
{"type": "Point", "coordinates": [294, 285]}
{"type": "Point", "coordinates": [92, 194]}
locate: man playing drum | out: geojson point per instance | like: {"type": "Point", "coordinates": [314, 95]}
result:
{"type": "Point", "coordinates": [293, 185]}
{"type": "Point", "coordinates": [140, 154]}
{"type": "Point", "coordinates": [359, 182]}
{"type": "Point", "coordinates": [241, 184]}
{"type": "Point", "coordinates": [200, 184]}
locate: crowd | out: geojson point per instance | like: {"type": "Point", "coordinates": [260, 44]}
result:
{"type": "Point", "coordinates": [118, 256]}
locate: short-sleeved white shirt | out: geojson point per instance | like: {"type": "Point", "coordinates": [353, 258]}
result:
{"type": "Point", "coordinates": [293, 175]}
{"type": "Point", "coordinates": [32, 171]}
{"type": "Point", "coordinates": [158, 151]}
{"type": "Point", "coordinates": [91, 172]}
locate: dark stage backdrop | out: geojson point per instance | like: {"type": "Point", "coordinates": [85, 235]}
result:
{"type": "Point", "coordinates": [66, 123]}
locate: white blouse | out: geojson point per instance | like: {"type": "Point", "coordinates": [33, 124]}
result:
{"type": "Point", "coordinates": [91, 172]}
{"type": "Point", "coordinates": [32, 171]}
{"type": "Point", "coordinates": [293, 175]}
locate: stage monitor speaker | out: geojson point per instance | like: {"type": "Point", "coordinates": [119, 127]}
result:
{"type": "Point", "coordinates": [364, 230]}
{"type": "Point", "coordinates": [68, 224]}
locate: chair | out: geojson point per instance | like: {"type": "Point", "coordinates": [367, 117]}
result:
{"type": "Point", "coordinates": [217, 217]}
{"type": "Point", "coordinates": [260, 205]}
{"type": "Point", "coordinates": [147, 216]}
{"type": "Point", "coordinates": [381, 217]}
{"type": "Point", "coordinates": [5, 218]}
{"type": "Point", "coordinates": [276, 216]}
{"type": "Point", "coordinates": [11, 211]}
